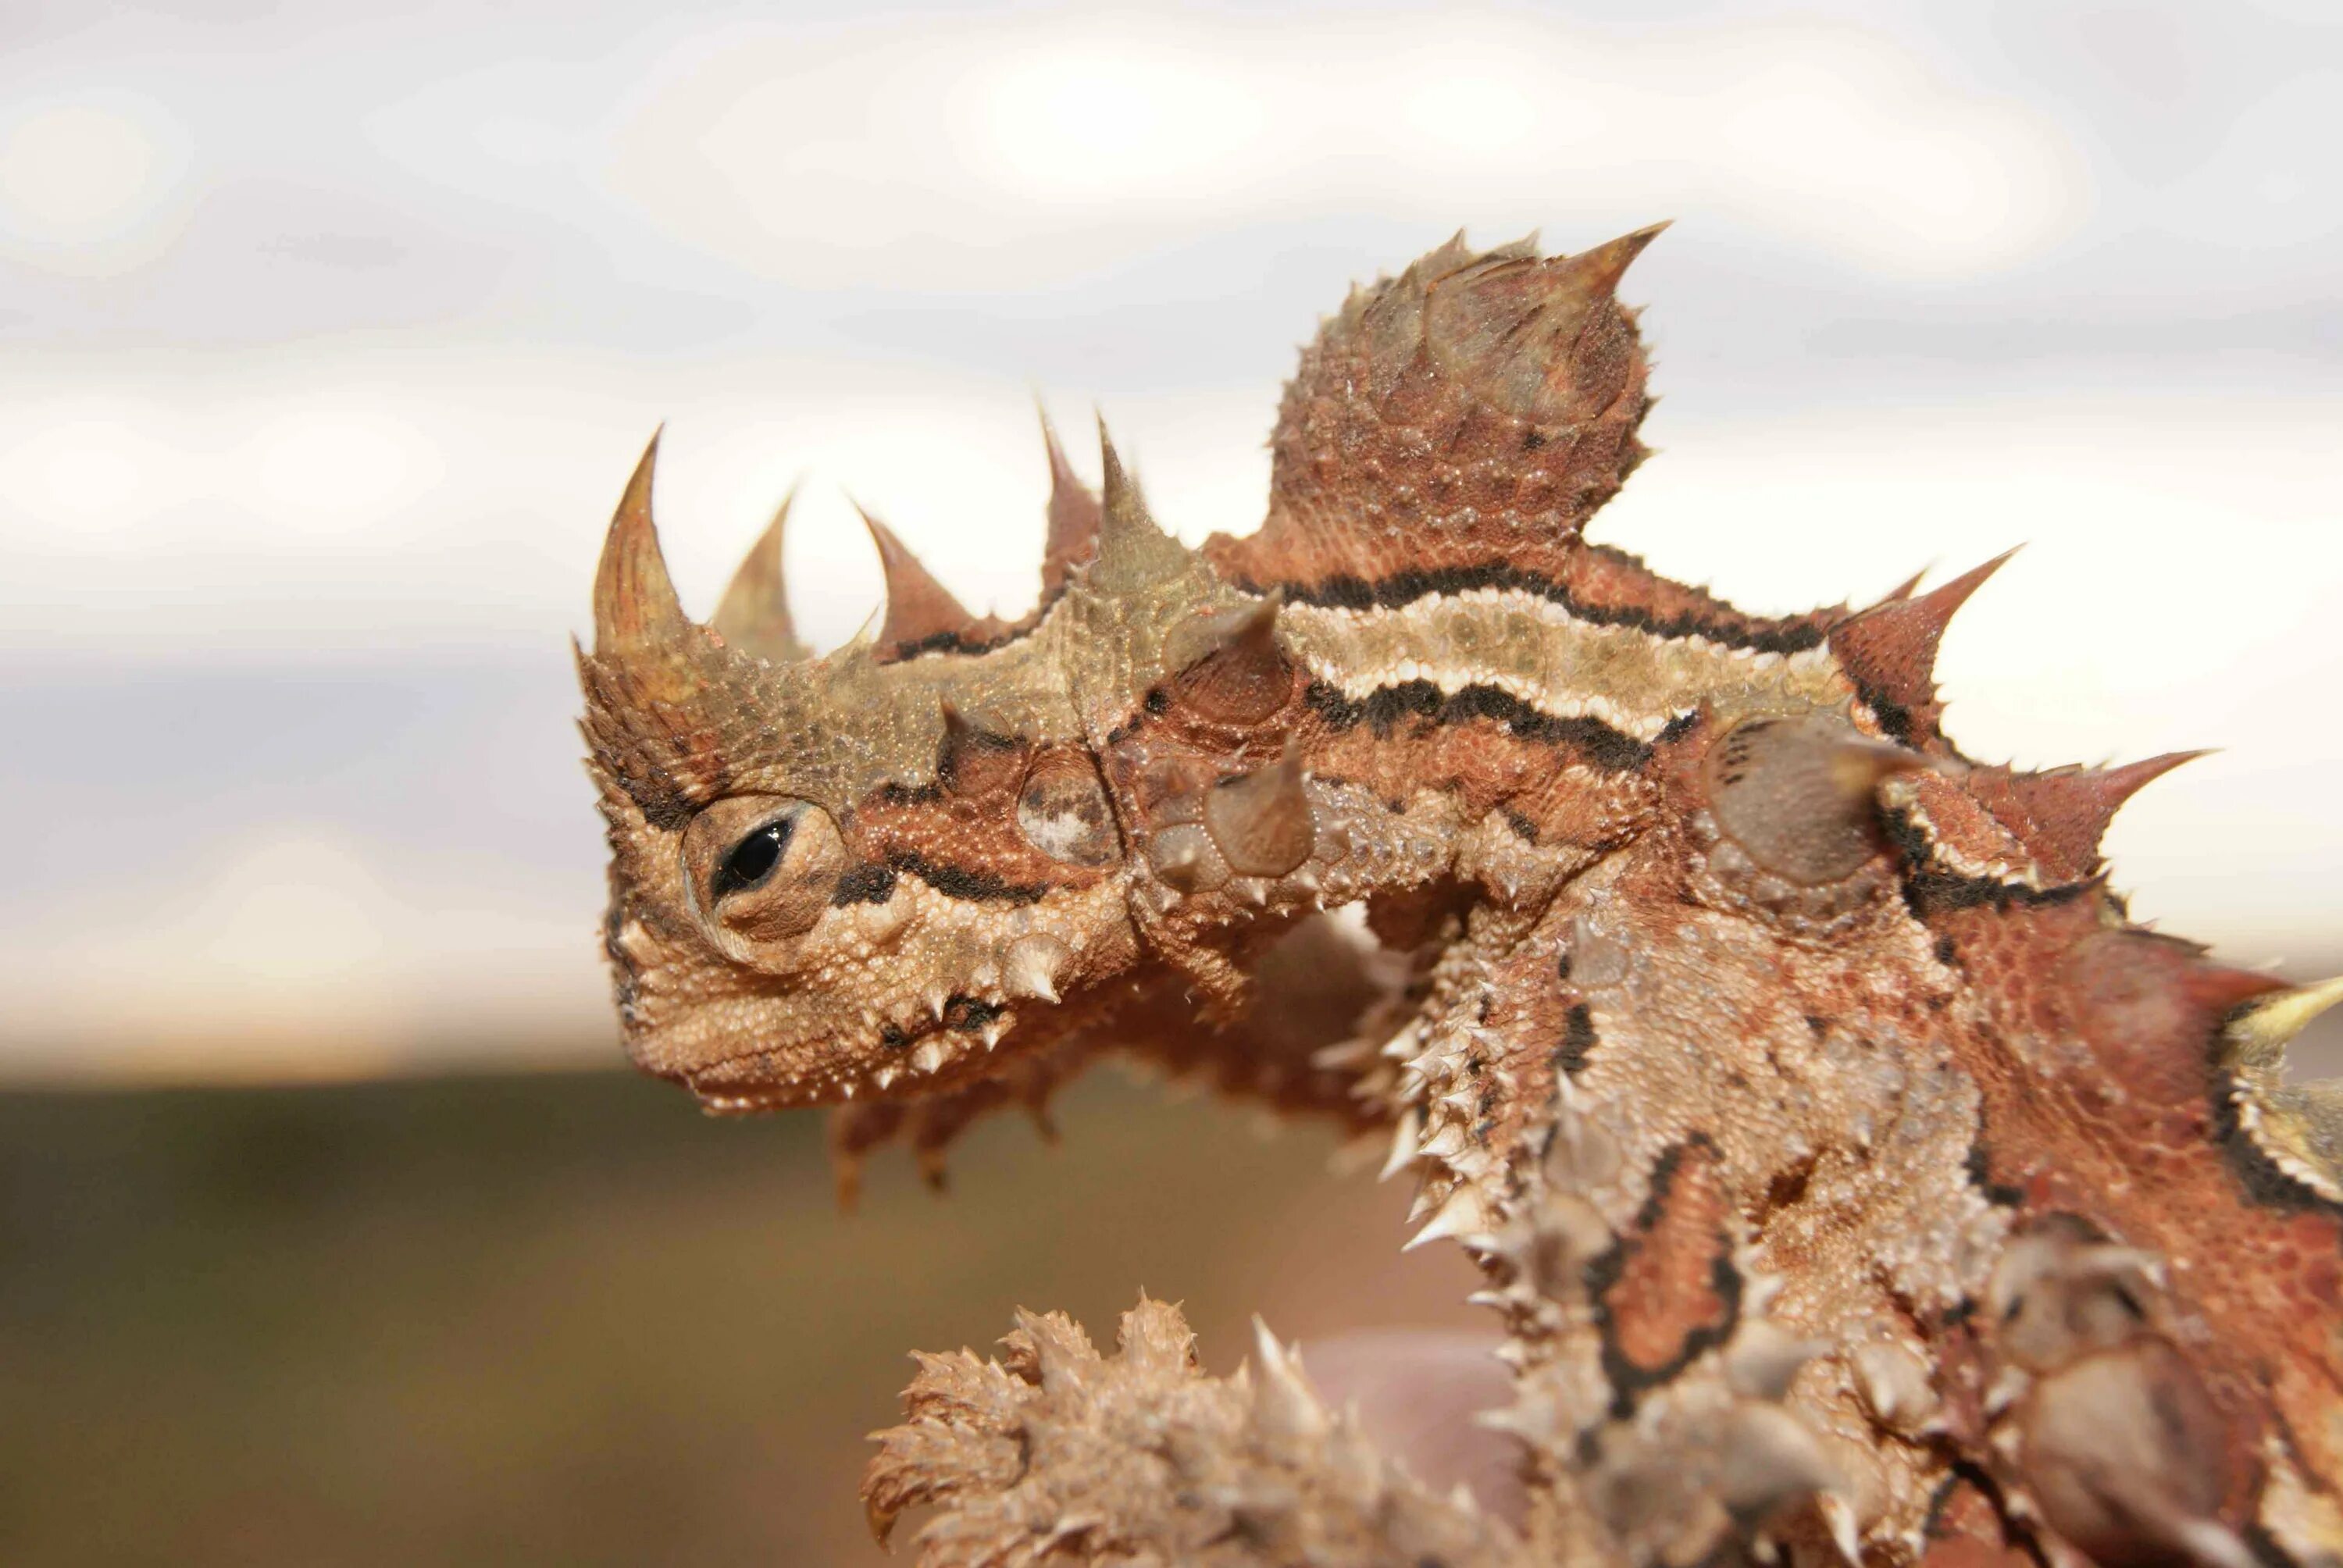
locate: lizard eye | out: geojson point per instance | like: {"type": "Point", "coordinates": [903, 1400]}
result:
{"type": "Point", "coordinates": [764, 866]}
{"type": "Point", "coordinates": [752, 859]}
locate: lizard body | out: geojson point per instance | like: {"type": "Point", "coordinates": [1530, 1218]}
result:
{"type": "Point", "coordinates": [1852, 1178]}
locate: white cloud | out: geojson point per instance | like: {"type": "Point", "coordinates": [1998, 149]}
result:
{"type": "Point", "coordinates": [85, 181]}
{"type": "Point", "coordinates": [1477, 111]}
{"type": "Point", "coordinates": [295, 913]}
{"type": "Point", "coordinates": [76, 170]}
{"type": "Point", "coordinates": [1097, 125]}
{"type": "Point", "coordinates": [327, 470]}
{"type": "Point", "coordinates": [93, 471]}
{"type": "Point", "coordinates": [1012, 151]}
{"type": "Point", "coordinates": [2273, 178]}
{"type": "Point", "coordinates": [300, 950]}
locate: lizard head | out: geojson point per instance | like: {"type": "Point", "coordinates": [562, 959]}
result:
{"type": "Point", "coordinates": [889, 869]}
{"type": "Point", "coordinates": [887, 864]}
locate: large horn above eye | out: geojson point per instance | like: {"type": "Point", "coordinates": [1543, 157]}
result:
{"type": "Point", "coordinates": [1074, 518]}
{"type": "Point", "coordinates": [1133, 550]}
{"type": "Point", "coordinates": [918, 607]}
{"type": "Point", "coordinates": [634, 598]}
{"type": "Point", "coordinates": [754, 614]}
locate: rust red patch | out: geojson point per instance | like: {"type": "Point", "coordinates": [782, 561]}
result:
{"type": "Point", "coordinates": [1668, 1289]}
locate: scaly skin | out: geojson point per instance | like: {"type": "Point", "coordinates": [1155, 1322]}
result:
{"type": "Point", "coordinates": [1851, 1177]}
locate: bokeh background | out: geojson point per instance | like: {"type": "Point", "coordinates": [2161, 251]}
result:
{"type": "Point", "coordinates": [330, 332]}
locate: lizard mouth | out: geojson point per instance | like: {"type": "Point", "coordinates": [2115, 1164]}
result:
{"type": "Point", "coordinates": [967, 1030]}
{"type": "Point", "coordinates": [717, 1103]}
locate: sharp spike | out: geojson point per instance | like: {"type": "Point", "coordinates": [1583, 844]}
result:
{"type": "Point", "coordinates": [635, 605]}
{"type": "Point", "coordinates": [1838, 1517]}
{"type": "Point", "coordinates": [2257, 1033]}
{"type": "Point", "coordinates": [1283, 1404]}
{"type": "Point", "coordinates": [1133, 550]}
{"type": "Point", "coordinates": [1770, 1461]}
{"type": "Point", "coordinates": [1074, 517]}
{"type": "Point", "coordinates": [1262, 822]}
{"type": "Point", "coordinates": [1231, 669]}
{"type": "Point", "coordinates": [1545, 341]}
{"type": "Point", "coordinates": [918, 606]}
{"type": "Point", "coordinates": [754, 614]}
{"type": "Point", "coordinates": [1462, 1215]}
{"type": "Point", "coordinates": [1890, 652]}
{"type": "Point", "coordinates": [1535, 1421]}
{"type": "Point", "coordinates": [1765, 1359]}
{"type": "Point", "coordinates": [959, 733]}
{"type": "Point", "coordinates": [2067, 810]}
{"type": "Point", "coordinates": [973, 759]}
{"type": "Point", "coordinates": [1031, 965]}
{"type": "Point", "coordinates": [1599, 269]}
{"type": "Point", "coordinates": [1859, 765]}
{"type": "Point", "coordinates": [1439, 262]}
{"type": "Point", "coordinates": [1445, 1143]}
{"type": "Point", "coordinates": [1902, 590]}
{"type": "Point", "coordinates": [1405, 1137]}
{"type": "Point", "coordinates": [1248, 631]}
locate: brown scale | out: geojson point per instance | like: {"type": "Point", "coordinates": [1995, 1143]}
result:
{"type": "Point", "coordinates": [1611, 583]}
{"type": "Point", "coordinates": [974, 818]}
{"type": "Point", "coordinates": [2123, 1103]}
{"type": "Point", "coordinates": [2060, 816]}
{"type": "Point", "coordinates": [1485, 434]}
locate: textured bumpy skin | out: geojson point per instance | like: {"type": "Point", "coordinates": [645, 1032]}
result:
{"type": "Point", "coordinates": [1852, 1179]}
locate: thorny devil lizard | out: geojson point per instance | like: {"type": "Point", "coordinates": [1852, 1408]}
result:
{"type": "Point", "coordinates": [1854, 1181]}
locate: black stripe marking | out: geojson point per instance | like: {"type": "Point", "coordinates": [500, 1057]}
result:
{"type": "Point", "coordinates": [956, 642]}
{"type": "Point", "coordinates": [1961, 1473]}
{"type": "Point", "coordinates": [1978, 1162]}
{"type": "Point", "coordinates": [962, 1014]}
{"type": "Point", "coordinates": [970, 1015]}
{"type": "Point", "coordinates": [1577, 1040]}
{"type": "Point", "coordinates": [1930, 887]}
{"type": "Point", "coordinates": [1405, 588]}
{"type": "Point", "coordinates": [864, 885]}
{"type": "Point", "coordinates": [1894, 718]}
{"type": "Point", "coordinates": [1382, 709]}
{"type": "Point", "coordinates": [959, 882]}
{"type": "Point", "coordinates": [1628, 1380]}
{"type": "Point", "coordinates": [2266, 1182]}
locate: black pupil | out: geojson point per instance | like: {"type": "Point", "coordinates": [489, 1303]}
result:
{"type": "Point", "coordinates": [752, 859]}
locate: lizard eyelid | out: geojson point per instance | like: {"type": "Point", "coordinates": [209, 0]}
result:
{"type": "Point", "coordinates": [762, 868]}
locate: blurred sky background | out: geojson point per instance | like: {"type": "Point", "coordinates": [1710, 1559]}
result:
{"type": "Point", "coordinates": [328, 334]}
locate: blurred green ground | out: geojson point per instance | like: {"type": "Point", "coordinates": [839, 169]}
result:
{"type": "Point", "coordinates": [566, 1319]}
